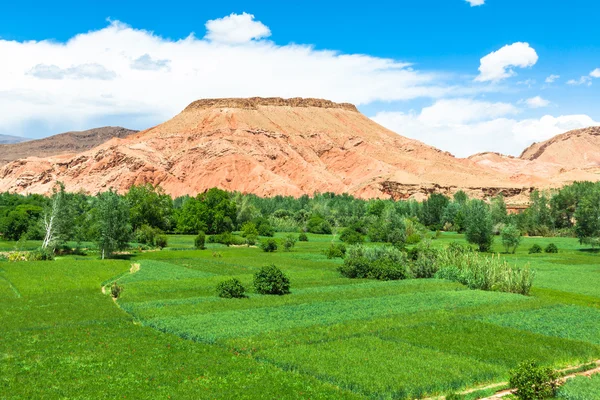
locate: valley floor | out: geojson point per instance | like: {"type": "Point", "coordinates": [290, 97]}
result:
{"type": "Point", "coordinates": [169, 336]}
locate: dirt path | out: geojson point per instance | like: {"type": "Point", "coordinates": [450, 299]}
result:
{"type": "Point", "coordinates": [506, 392]}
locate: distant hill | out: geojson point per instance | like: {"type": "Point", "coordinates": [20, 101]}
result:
{"type": "Point", "coordinates": [266, 146]}
{"type": "Point", "coordinates": [64, 143]}
{"type": "Point", "coordinates": [8, 139]}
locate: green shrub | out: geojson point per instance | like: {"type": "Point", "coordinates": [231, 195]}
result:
{"type": "Point", "coordinates": [115, 290]}
{"type": "Point", "coordinates": [303, 237]}
{"type": "Point", "coordinates": [413, 238]}
{"type": "Point", "coordinates": [249, 228]}
{"type": "Point", "coordinates": [268, 245]}
{"type": "Point", "coordinates": [533, 382]}
{"type": "Point", "coordinates": [227, 238]}
{"type": "Point", "coordinates": [379, 262]}
{"type": "Point", "coordinates": [289, 242]}
{"type": "Point", "coordinates": [350, 236]}
{"type": "Point", "coordinates": [535, 249]}
{"type": "Point", "coordinates": [425, 263]}
{"type": "Point", "coordinates": [265, 229]}
{"type": "Point", "coordinates": [161, 241]}
{"type": "Point", "coordinates": [231, 289]}
{"type": "Point", "coordinates": [335, 251]}
{"type": "Point", "coordinates": [319, 225]}
{"type": "Point", "coordinates": [251, 239]}
{"type": "Point", "coordinates": [271, 280]}
{"type": "Point", "coordinates": [200, 241]}
{"type": "Point", "coordinates": [146, 235]}
{"type": "Point", "coordinates": [551, 248]}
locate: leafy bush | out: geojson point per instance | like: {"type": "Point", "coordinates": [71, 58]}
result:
{"type": "Point", "coordinates": [289, 242]}
{"type": "Point", "coordinates": [35, 255]}
{"type": "Point", "coordinates": [335, 251]}
{"type": "Point", "coordinates": [511, 238]}
{"type": "Point", "coordinates": [413, 238]}
{"type": "Point", "coordinates": [479, 225]}
{"type": "Point", "coordinates": [551, 248]}
{"type": "Point", "coordinates": [379, 262]}
{"type": "Point", "coordinates": [268, 245]}
{"type": "Point", "coordinates": [317, 224]}
{"type": "Point", "coordinates": [200, 241]}
{"type": "Point", "coordinates": [249, 228]}
{"type": "Point", "coordinates": [303, 237]}
{"type": "Point", "coordinates": [535, 249]}
{"type": "Point", "coordinates": [533, 382]}
{"type": "Point", "coordinates": [251, 240]}
{"type": "Point", "coordinates": [227, 238]}
{"type": "Point", "coordinates": [351, 236]}
{"type": "Point", "coordinates": [264, 227]}
{"type": "Point", "coordinates": [271, 280]}
{"type": "Point", "coordinates": [231, 289]}
{"type": "Point", "coordinates": [425, 263]}
{"type": "Point", "coordinates": [146, 235]}
{"type": "Point", "coordinates": [115, 290]}
{"type": "Point", "coordinates": [161, 241]}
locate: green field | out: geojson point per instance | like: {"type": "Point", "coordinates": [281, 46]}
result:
{"type": "Point", "coordinates": [170, 336]}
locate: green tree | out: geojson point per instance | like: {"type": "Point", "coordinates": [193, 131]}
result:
{"type": "Point", "coordinates": [498, 209]}
{"type": "Point", "coordinates": [587, 216]}
{"type": "Point", "coordinates": [479, 225]}
{"type": "Point", "coordinates": [433, 210]}
{"type": "Point", "coordinates": [511, 238]}
{"type": "Point", "coordinates": [113, 229]}
{"type": "Point", "coordinates": [57, 220]}
{"type": "Point", "coordinates": [149, 205]}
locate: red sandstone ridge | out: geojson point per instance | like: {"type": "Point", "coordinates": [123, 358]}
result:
{"type": "Point", "coordinates": [571, 156]}
{"type": "Point", "coordinates": [266, 146]}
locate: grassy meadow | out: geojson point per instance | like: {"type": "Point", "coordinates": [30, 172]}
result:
{"type": "Point", "coordinates": [169, 335]}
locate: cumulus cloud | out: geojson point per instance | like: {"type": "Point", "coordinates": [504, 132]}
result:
{"type": "Point", "coordinates": [236, 28]}
{"type": "Point", "coordinates": [147, 63]}
{"type": "Point", "coordinates": [94, 77]}
{"type": "Point", "coordinates": [475, 3]}
{"type": "Point", "coordinates": [474, 135]}
{"type": "Point", "coordinates": [537, 102]}
{"type": "Point", "coordinates": [584, 80]}
{"type": "Point", "coordinates": [83, 71]}
{"type": "Point", "coordinates": [595, 73]}
{"type": "Point", "coordinates": [552, 78]}
{"type": "Point", "coordinates": [460, 111]}
{"type": "Point", "coordinates": [497, 65]}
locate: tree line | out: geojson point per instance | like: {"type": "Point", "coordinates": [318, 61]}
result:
{"type": "Point", "coordinates": [145, 213]}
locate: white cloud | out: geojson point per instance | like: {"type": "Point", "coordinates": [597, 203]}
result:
{"type": "Point", "coordinates": [537, 102]}
{"type": "Point", "coordinates": [147, 63]}
{"type": "Point", "coordinates": [474, 3]}
{"type": "Point", "coordinates": [552, 78]}
{"type": "Point", "coordinates": [497, 65]}
{"type": "Point", "coordinates": [584, 80]}
{"type": "Point", "coordinates": [94, 78]}
{"type": "Point", "coordinates": [527, 82]}
{"type": "Point", "coordinates": [83, 71]}
{"type": "Point", "coordinates": [470, 136]}
{"type": "Point", "coordinates": [595, 73]}
{"type": "Point", "coordinates": [459, 111]}
{"type": "Point", "coordinates": [236, 28]}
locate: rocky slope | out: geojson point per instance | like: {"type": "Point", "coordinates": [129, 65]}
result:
{"type": "Point", "coordinates": [571, 156]}
{"type": "Point", "coordinates": [265, 146]}
{"type": "Point", "coordinates": [64, 143]}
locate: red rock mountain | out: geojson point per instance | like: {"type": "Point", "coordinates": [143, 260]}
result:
{"type": "Point", "coordinates": [571, 156]}
{"type": "Point", "coordinates": [265, 146]}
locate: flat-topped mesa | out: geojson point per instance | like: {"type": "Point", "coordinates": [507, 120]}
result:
{"type": "Point", "coordinates": [252, 103]}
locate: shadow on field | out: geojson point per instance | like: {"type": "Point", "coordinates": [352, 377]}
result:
{"type": "Point", "coordinates": [595, 251]}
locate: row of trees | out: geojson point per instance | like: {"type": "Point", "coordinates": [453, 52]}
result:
{"type": "Point", "coordinates": [145, 211]}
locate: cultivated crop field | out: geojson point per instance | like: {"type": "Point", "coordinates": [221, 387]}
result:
{"type": "Point", "coordinates": [169, 336]}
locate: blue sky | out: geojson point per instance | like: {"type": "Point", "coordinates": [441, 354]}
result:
{"type": "Point", "coordinates": [415, 67]}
